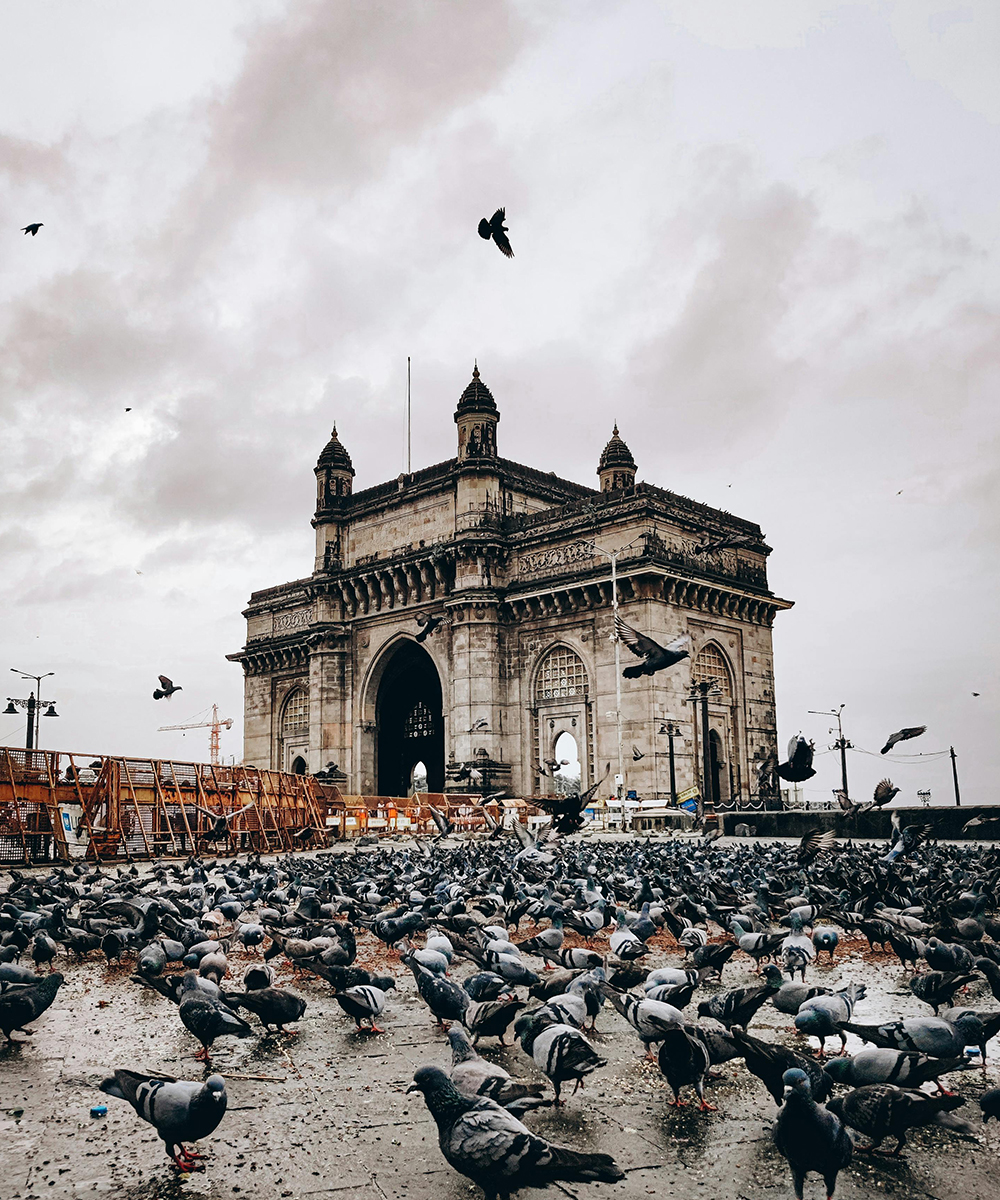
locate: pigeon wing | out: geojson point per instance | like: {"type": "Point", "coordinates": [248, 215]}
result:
{"type": "Point", "coordinates": [884, 792]}
{"type": "Point", "coordinates": [640, 645]}
{"type": "Point", "coordinates": [499, 234]}
{"type": "Point", "coordinates": [165, 682]}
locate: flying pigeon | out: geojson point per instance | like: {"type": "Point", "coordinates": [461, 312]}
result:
{"type": "Point", "coordinates": [567, 811]}
{"type": "Point", "coordinates": [655, 657]}
{"type": "Point", "coordinates": [903, 735]}
{"type": "Point", "coordinates": [813, 844]}
{"type": "Point", "coordinates": [33, 228]}
{"type": "Point", "coordinates": [496, 229]}
{"type": "Point", "coordinates": [637, 754]}
{"type": "Point", "coordinates": [180, 1110]}
{"type": "Point", "coordinates": [490, 1146]}
{"type": "Point", "coordinates": [800, 758]}
{"type": "Point", "coordinates": [885, 790]}
{"type": "Point", "coordinates": [221, 821]}
{"type": "Point", "coordinates": [166, 689]}
{"type": "Point", "coordinates": [444, 824]}
{"type": "Point", "coordinates": [428, 624]}
{"type": "Point", "coordinates": [908, 838]}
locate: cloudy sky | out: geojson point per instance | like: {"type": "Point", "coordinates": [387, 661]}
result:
{"type": "Point", "coordinates": [761, 234]}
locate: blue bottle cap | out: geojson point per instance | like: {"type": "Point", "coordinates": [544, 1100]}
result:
{"type": "Point", "coordinates": [99, 1110]}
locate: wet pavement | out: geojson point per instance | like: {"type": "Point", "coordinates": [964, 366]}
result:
{"type": "Point", "coordinates": [325, 1113]}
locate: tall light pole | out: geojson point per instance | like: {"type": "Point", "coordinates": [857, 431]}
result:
{"type": "Point", "coordinates": [841, 744]}
{"type": "Point", "coordinates": [613, 555]}
{"type": "Point", "coordinates": [700, 693]}
{"type": "Point", "coordinates": [671, 730]}
{"type": "Point", "coordinates": [34, 706]}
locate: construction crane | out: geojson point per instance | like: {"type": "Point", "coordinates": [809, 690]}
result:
{"type": "Point", "coordinates": [215, 725]}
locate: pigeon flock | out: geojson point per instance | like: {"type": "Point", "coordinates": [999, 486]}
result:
{"type": "Point", "coordinates": [557, 944]}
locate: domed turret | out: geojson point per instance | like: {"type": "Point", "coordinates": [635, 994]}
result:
{"type": "Point", "coordinates": [616, 469]}
{"type": "Point", "coordinates": [477, 417]}
{"type": "Point", "coordinates": [334, 472]}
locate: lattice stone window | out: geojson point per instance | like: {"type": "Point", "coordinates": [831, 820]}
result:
{"type": "Point", "coordinates": [295, 718]}
{"type": "Point", "coordinates": [711, 664]}
{"type": "Point", "coordinates": [562, 673]}
{"type": "Point", "coordinates": [420, 722]}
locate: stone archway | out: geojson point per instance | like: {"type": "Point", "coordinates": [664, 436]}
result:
{"type": "Point", "coordinates": [409, 724]}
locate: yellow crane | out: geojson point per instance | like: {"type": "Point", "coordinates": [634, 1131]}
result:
{"type": "Point", "coordinates": [215, 725]}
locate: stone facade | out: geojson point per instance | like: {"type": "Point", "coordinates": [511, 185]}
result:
{"type": "Point", "coordinates": [505, 563]}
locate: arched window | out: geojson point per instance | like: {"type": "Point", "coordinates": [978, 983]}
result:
{"type": "Point", "coordinates": [295, 714]}
{"type": "Point", "coordinates": [420, 722]}
{"type": "Point", "coordinates": [562, 673]}
{"type": "Point", "coordinates": [299, 766]}
{"type": "Point", "coordinates": [711, 664]}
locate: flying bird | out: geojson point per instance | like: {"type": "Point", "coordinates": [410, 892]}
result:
{"type": "Point", "coordinates": [884, 792]}
{"type": "Point", "coordinates": [800, 759]}
{"type": "Point", "coordinates": [166, 688]}
{"type": "Point", "coordinates": [903, 735]}
{"type": "Point", "coordinates": [496, 229]}
{"type": "Point", "coordinates": [482, 723]}
{"type": "Point", "coordinates": [567, 811]}
{"type": "Point", "coordinates": [33, 228]}
{"type": "Point", "coordinates": [655, 657]}
{"type": "Point", "coordinates": [428, 624]}
{"type": "Point", "coordinates": [637, 754]}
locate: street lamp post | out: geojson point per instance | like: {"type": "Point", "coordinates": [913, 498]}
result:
{"type": "Point", "coordinates": [841, 744]}
{"type": "Point", "coordinates": [34, 706]}
{"type": "Point", "coordinates": [613, 555]}
{"type": "Point", "coordinates": [671, 731]}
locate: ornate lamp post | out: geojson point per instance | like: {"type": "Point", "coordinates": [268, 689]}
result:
{"type": "Point", "coordinates": [33, 704]}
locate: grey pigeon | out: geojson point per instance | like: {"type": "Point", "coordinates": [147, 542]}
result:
{"type": "Point", "coordinates": [925, 1035]}
{"type": "Point", "coordinates": [826, 1016]}
{"type": "Point", "coordinates": [654, 656]}
{"type": "Point", "coordinates": [883, 1065]}
{"type": "Point", "coordinates": [810, 1137]}
{"type": "Point", "coordinates": [274, 1006]}
{"type": "Point", "coordinates": [684, 1061]}
{"type": "Point", "coordinates": [903, 735]}
{"type": "Point", "coordinates": [33, 228]}
{"type": "Point", "coordinates": [365, 1001]}
{"type": "Point", "coordinates": [206, 1015]}
{"type": "Point", "coordinates": [881, 1110]}
{"type": "Point", "coordinates": [474, 1076]}
{"type": "Point", "coordinates": [24, 1002]}
{"type": "Point", "coordinates": [166, 688]}
{"type": "Point", "coordinates": [180, 1110]}
{"type": "Point", "coordinates": [490, 1146]}
{"type": "Point", "coordinates": [561, 1051]}
{"type": "Point", "coordinates": [770, 1060]}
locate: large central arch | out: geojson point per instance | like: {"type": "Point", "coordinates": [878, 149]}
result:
{"type": "Point", "coordinates": [409, 725]}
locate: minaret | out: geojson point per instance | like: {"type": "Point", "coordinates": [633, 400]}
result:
{"type": "Point", "coordinates": [334, 481]}
{"type": "Point", "coordinates": [334, 473]}
{"type": "Point", "coordinates": [477, 418]}
{"type": "Point", "coordinates": [616, 469]}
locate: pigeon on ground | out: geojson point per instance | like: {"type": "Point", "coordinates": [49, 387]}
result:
{"type": "Point", "coordinates": [938, 988]}
{"type": "Point", "coordinates": [770, 1060]}
{"type": "Point", "coordinates": [810, 1137]}
{"type": "Point", "coordinates": [446, 1000]}
{"type": "Point", "coordinates": [365, 1001]}
{"type": "Point", "coordinates": [655, 657]}
{"type": "Point", "coordinates": [474, 1076]}
{"type": "Point", "coordinates": [274, 1006]}
{"type": "Point", "coordinates": [925, 1035]}
{"type": "Point", "coordinates": [560, 1051]}
{"type": "Point", "coordinates": [881, 1110]}
{"type": "Point", "coordinates": [427, 625]}
{"type": "Point", "coordinates": [738, 1006]}
{"type": "Point", "coordinates": [180, 1110]}
{"type": "Point", "coordinates": [260, 977]}
{"type": "Point", "coordinates": [496, 229]}
{"type": "Point", "coordinates": [24, 1002]}
{"type": "Point", "coordinates": [206, 1015]}
{"type": "Point", "coordinates": [826, 1016]}
{"type": "Point", "coordinates": [491, 1018]}
{"type": "Point", "coordinates": [684, 1060]}
{"type": "Point", "coordinates": [901, 1067]}
{"type": "Point", "coordinates": [903, 735]}
{"type": "Point", "coordinates": [490, 1146]}
{"type": "Point", "coordinates": [651, 1019]}
{"type": "Point", "coordinates": [33, 228]}
{"type": "Point", "coordinates": [166, 689]}
{"type": "Point", "coordinates": [799, 766]}
{"type": "Point", "coordinates": [791, 996]}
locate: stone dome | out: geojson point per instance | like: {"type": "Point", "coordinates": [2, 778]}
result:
{"type": "Point", "coordinates": [477, 398]}
{"type": "Point", "coordinates": [616, 455]}
{"type": "Point", "coordinates": [335, 456]}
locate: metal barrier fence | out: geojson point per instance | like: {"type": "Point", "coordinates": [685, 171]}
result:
{"type": "Point", "coordinates": [55, 805]}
